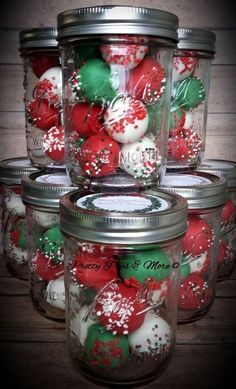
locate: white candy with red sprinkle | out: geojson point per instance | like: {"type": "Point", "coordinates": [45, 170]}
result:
{"type": "Point", "coordinates": [140, 159]}
{"type": "Point", "coordinates": [49, 86]}
{"type": "Point", "coordinates": [126, 120]}
{"type": "Point", "coordinates": [184, 66]}
{"type": "Point", "coordinates": [54, 143]}
{"type": "Point", "coordinates": [126, 55]}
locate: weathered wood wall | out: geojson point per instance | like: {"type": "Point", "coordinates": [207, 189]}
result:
{"type": "Point", "coordinates": [215, 15]}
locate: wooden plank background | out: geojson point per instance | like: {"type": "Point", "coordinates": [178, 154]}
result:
{"type": "Point", "coordinates": [215, 15]}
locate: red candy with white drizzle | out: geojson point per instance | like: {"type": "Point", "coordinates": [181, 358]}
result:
{"type": "Point", "coordinates": [120, 309]}
{"type": "Point", "coordinates": [54, 143]}
{"type": "Point", "coordinates": [198, 238]}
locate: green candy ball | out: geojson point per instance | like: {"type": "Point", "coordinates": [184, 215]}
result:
{"type": "Point", "coordinates": [104, 349]}
{"type": "Point", "coordinates": [184, 267]}
{"type": "Point", "coordinates": [145, 264]}
{"type": "Point", "coordinates": [96, 82]}
{"type": "Point", "coordinates": [51, 243]}
{"type": "Point", "coordinates": [189, 93]}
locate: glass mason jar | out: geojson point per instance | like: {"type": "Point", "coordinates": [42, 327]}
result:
{"type": "Point", "coordinates": [227, 247]}
{"type": "Point", "coordinates": [43, 97]}
{"type": "Point", "coordinates": [41, 193]}
{"type": "Point", "coordinates": [117, 87]}
{"type": "Point", "coordinates": [13, 214]}
{"type": "Point", "coordinates": [189, 102]}
{"type": "Point", "coordinates": [206, 195]}
{"type": "Point", "coordinates": [122, 257]}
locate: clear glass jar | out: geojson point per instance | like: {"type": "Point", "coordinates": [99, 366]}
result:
{"type": "Point", "coordinates": [122, 257]}
{"type": "Point", "coordinates": [117, 87]}
{"type": "Point", "coordinates": [13, 214]}
{"type": "Point", "coordinates": [43, 97]}
{"type": "Point", "coordinates": [206, 196]}
{"type": "Point", "coordinates": [189, 102]}
{"type": "Point", "coordinates": [227, 246]}
{"type": "Point", "coordinates": [41, 194]}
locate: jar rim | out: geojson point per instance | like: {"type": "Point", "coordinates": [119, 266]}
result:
{"type": "Point", "coordinates": [117, 19]}
{"type": "Point", "coordinates": [119, 226]}
{"type": "Point", "coordinates": [13, 169]}
{"type": "Point", "coordinates": [44, 37]}
{"type": "Point", "coordinates": [44, 194]}
{"type": "Point", "coordinates": [196, 39]}
{"type": "Point", "coordinates": [200, 189]}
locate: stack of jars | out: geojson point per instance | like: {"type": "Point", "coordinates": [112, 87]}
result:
{"type": "Point", "coordinates": [125, 102]}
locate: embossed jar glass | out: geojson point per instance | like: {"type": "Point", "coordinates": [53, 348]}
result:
{"type": "Point", "coordinates": [117, 86]}
{"type": "Point", "coordinates": [42, 97]}
{"type": "Point", "coordinates": [206, 196]}
{"type": "Point", "coordinates": [13, 214]}
{"type": "Point", "coordinates": [190, 95]}
{"type": "Point", "coordinates": [227, 246]}
{"type": "Point", "coordinates": [41, 194]}
{"type": "Point", "coordinates": [122, 257]}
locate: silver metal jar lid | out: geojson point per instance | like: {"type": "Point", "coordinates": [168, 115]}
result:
{"type": "Point", "coordinates": [117, 19]}
{"type": "Point", "coordinates": [13, 169]}
{"type": "Point", "coordinates": [45, 189]}
{"type": "Point", "coordinates": [201, 190]}
{"type": "Point", "coordinates": [195, 39]}
{"type": "Point", "coordinates": [220, 167]}
{"type": "Point", "coordinates": [44, 37]}
{"type": "Point", "coordinates": [150, 217]}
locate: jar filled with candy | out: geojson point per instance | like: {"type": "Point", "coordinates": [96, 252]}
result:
{"type": "Point", "coordinates": [206, 196]}
{"type": "Point", "coordinates": [122, 260]}
{"type": "Point", "coordinates": [13, 214]}
{"type": "Point", "coordinates": [227, 247]}
{"type": "Point", "coordinates": [43, 97]}
{"type": "Point", "coordinates": [41, 193]}
{"type": "Point", "coordinates": [117, 83]}
{"type": "Point", "coordinates": [190, 93]}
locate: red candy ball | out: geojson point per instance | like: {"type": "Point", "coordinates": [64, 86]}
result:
{"type": "Point", "coordinates": [94, 271]}
{"type": "Point", "coordinates": [86, 119]}
{"type": "Point", "coordinates": [41, 62]}
{"type": "Point", "coordinates": [99, 156]}
{"type": "Point", "coordinates": [185, 145]}
{"type": "Point", "coordinates": [228, 212]}
{"type": "Point", "coordinates": [198, 237]}
{"type": "Point", "coordinates": [46, 268]}
{"type": "Point", "coordinates": [54, 143]}
{"type": "Point", "coordinates": [194, 293]}
{"type": "Point", "coordinates": [147, 81]}
{"type": "Point", "coordinates": [120, 309]}
{"type": "Point", "coordinates": [42, 115]}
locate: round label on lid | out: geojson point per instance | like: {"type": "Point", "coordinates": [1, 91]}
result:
{"type": "Point", "coordinates": [20, 162]}
{"type": "Point", "coordinates": [57, 179]}
{"type": "Point", "coordinates": [123, 203]}
{"type": "Point", "coordinates": [184, 180]}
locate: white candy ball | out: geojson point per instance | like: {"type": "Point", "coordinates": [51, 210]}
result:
{"type": "Point", "coordinates": [55, 293]}
{"type": "Point", "coordinates": [126, 120]}
{"type": "Point", "coordinates": [140, 159]}
{"type": "Point", "coordinates": [152, 336]}
{"type": "Point", "coordinates": [45, 219]}
{"type": "Point", "coordinates": [80, 323]}
{"type": "Point", "coordinates": [188, 121]}
{"type": "Point", "coordinates": [15, 205]}
{"type": "Point", "coordinates": [17, 254]}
